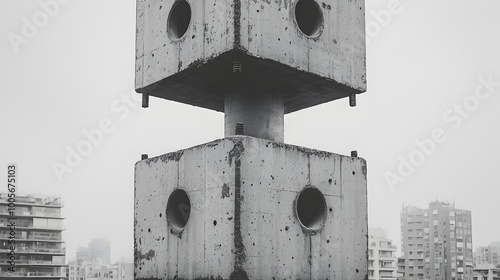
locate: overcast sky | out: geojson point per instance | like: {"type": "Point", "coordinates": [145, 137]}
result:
{"type": "Point", "coordinates": [433, 71]}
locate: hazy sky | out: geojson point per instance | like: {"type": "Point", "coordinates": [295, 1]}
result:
{"type": "Point", "coordinates": [74, 72]}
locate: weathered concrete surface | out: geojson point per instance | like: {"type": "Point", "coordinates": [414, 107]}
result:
{"type": "Point", "coordinates": [264, 35]}
{"type": "Point", "coordinates": [243, 219]}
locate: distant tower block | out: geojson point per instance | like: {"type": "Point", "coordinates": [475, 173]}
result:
{"type": "Point", "coordinates": [248, 206]}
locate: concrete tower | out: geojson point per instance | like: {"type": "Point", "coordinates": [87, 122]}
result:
{"type": "Point", "coordinates": [249, 206]}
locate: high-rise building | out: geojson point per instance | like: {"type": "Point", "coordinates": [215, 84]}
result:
{"type": "Point", "coordinates": [411, 264]}
{"type": "Point", "coordinates": [381, 256]}
{"type": "Point", "coordinates": [488, 255]}
{"type": "Point", "coordinates": [436, 243]}
{"type": "Point", "coordinates": [100, 250]}
{"type": "Point", "coordinates": [35, 223]}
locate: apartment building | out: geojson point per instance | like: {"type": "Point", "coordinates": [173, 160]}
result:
{"type": "Point", "coordinates": [381, 256]}
{"type": "Point", "coordinates": [76, 271]}
{"type": "Point", "coordinates": [436, 243]}
{"type": "Point", "coordinates": [125, 270]}
{"type": "Point", "coordinates": [488, 255]}
{"type": "Point", "coordinates": [486, 272]}
{"type": "Point", "coordinates": [36, 225]}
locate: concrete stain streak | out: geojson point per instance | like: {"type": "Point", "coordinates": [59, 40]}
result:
{"type": "Point", "coordinates": [175, 156]}
{"type": "Point", "coordinates": [237, 23]}
{"type": "Point", "coordinates": [239, 247]}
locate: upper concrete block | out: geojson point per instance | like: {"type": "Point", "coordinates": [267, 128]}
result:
{"type": "Point", "coordinates": [310, 51]}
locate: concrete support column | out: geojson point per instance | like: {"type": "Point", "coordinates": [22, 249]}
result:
{"type": "Point", "coordinates": [258, 115]}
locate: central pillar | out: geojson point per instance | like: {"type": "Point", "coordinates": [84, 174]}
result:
{"type": "Point", "coordinates": [258, 115]}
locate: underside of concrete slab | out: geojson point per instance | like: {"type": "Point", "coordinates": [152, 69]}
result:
{"type": "Point", "coordinates": [309, 52]}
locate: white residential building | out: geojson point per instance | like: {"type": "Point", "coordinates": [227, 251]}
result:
{"type": "Point", "coordinates": [381, 256]}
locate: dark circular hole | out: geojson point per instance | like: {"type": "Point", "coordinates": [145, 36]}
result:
{"type": "Point", "coordinates": [311, 208]}
{"type": "Point", "coordinates": [178, 209]}
{"type": "Point", "coordinates": [309, 17]}
{"type": "Point", "coordinates": [179, 18]}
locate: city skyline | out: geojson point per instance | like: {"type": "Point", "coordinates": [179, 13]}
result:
{"type": "Point", "coordinates": [396, 240]}
{"type": "Point", "coordinates": [483, 243]}
{"type": "Point", "coordinates": [72, 123]}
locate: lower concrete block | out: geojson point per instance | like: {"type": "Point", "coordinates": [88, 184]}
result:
{"type": "Point", "coordinates": [248, 208]}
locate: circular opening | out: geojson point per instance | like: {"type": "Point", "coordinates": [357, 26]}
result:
{"type": "Point", "coordinates": [311, 208]}
{"type": "Point", "coordinates": [179, 18]}
{"type": "Point", "coordinates": [309, 17]}
{"type": "Point", "coordinates": [178, 209]}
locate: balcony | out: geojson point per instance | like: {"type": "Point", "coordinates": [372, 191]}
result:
{"type": "Point", "coordinates": [387, 268]}
{"type": "Point", "coordinates": [416, 257]}
{"type": "Point", "coordinates": [29, 214]}
{"type": "Point", "coordinates": [36, 250]}
{"type": "Point", "coordinates": [33, 238]}
{"type": "Point", "coordinates": [42, 250]}
{"type": "Point", "coordinates": [23, 226]}
{"type": "Point", "coordinates": [389, 248]}
{"type": "Point", "coordinates": [32, 275]}
{"type": "Point", "coordinates": [386, 275]}
{"type": "Point", "coordinates": [33, 263]}
{"type": "Point", "coordinates": [54, 202]}
{"type": "Point", "coordinates": [386, 258]}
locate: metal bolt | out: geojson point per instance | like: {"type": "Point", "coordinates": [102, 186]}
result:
{"type": "Point", "coordinates": [144, 156]}
{"type": "Point", "coordinates": [145, 100]}
{"type": "Point", "coordinates": [354, 153]}
{"type": "Point", "coordinates": [352, 100]}
{"type": "Point", "coordinates": [239, 129]}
